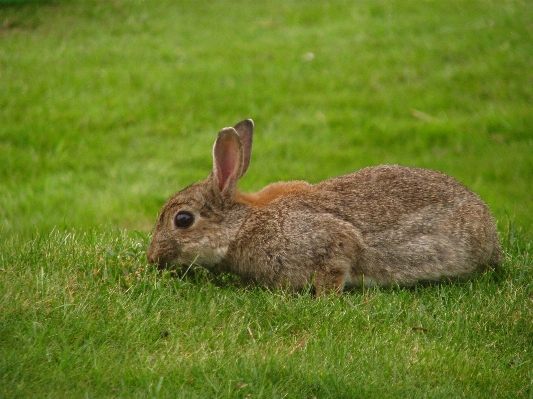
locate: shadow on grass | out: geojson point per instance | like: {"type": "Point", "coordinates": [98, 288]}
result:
{"type": "Point", "coordinates": [198, 275]}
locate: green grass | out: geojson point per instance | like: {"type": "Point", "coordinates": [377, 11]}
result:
{"type": "Point", "coordinates": [106, 108]}
{"type": "Point", "coordinates": [79, 318]}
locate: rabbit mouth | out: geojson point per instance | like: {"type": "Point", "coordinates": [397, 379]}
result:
{"type": "Point", "coordinates": [162, 262]}
{"type": "Point", "coordinates": [174, 262]}
{"type": "Point", "coordinates": [172, 267]}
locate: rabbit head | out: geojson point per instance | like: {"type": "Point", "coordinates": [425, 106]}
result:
{"type": "Point", "coordinates": [198, 223]}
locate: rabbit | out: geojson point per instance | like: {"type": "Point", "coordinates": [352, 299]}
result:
{"type": "Point", "coordinates": [385, 225]}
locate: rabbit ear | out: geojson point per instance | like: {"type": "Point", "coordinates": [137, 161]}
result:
{"type": "Point", "coordinates": [245, 129]}
{"type": "Point", "coordinates": [228, 159]}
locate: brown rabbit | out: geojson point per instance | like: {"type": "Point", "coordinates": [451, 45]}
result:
{"type": "Point", "coordinates": [382, 225]}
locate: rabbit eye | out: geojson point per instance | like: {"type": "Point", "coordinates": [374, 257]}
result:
{"type": "Point", "coordinates": [183, 220]}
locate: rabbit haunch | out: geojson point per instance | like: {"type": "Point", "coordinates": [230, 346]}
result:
{"type": "Point", "coordinates": [384, 225]}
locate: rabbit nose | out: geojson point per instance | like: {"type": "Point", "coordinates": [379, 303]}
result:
{"type": "Point", "coordinates": [150, 255]}
{"type": "Point", "coordinates": [150, 259]}
{"type": "Point", "coordinates": [154, 256]}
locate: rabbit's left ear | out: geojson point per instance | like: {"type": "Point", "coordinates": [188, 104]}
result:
{"type": "Point", "coordinates": [245, 130]}
{"type": "Point", "coordinates": [228, 161]}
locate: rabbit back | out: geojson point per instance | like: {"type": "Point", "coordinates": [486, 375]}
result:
{"type": "Point", "coordinates": [381, 225]}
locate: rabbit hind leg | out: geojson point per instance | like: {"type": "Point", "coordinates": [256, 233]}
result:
{"type": "Point", "coordinates": [331, 279]}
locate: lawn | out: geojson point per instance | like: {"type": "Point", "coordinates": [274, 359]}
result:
{"type": "Point", "coordinates": [107, 108]}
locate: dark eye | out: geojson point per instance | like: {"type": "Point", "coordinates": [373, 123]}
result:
{"type": "Point", "coordinates": [183, 220]}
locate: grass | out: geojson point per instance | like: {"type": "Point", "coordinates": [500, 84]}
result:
{"type": "Point", "coordinates": [106, 108]}
{"type": "Point", "coordinates": [88, 321]}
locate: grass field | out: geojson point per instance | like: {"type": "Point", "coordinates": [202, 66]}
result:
{"type": "Point", "coordinates": [108, 107]}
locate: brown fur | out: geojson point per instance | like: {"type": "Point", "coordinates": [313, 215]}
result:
{"type": "Point", "coordinates": [383, 225]}
{"type": "Point", "coordinates": [272, 192]}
